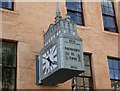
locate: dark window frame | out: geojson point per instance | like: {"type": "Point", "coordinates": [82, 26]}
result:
{"type": "Point", "coordinates": [112, 16]}
{"type": "Point", "coordinates": [15, 68]}
{"type": "Point", "coordinates": [84, 76]}
{"type": "Point", "coordinates": [12, 7]}
{"type": "Point", "coordinates": [115, 81]}
{"type": "Point", "coordinates": [81, 13]}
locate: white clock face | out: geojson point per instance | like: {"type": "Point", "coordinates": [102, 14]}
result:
{"type": "Point", "coordinates": [49, 61]}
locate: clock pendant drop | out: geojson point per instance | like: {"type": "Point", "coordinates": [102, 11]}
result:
{"type": "Point", "coordinates": [50, 60]}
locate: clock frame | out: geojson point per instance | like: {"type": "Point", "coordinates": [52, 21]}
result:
{"type": "Point", "coordinates": [69, 60]}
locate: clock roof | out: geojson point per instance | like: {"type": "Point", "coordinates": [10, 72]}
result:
{"type": "Point", "coordinates": [59, 25]}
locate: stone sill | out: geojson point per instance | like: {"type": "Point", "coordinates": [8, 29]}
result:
{"type": "Point", "coordinates": [112, 33]}
{"type": "Point", "coordinates": [8, 11]}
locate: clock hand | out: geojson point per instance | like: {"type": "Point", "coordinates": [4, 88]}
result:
{"type": "Point", "coordinates": [50, 62]}
{"type": "Point", "coordinates": [54, 62]}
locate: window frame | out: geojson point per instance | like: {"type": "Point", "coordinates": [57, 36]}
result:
{"type": "Point", "coordinates": [81, 13]}
{"type": "Point", "coordinates": [84, 76]}
{"type": "Point", "coordinates": [114, 17]}
{"type": "Point", "coordinates": [15, 68]}
{"type": "Point", "coordinates": [117, 59]}
{"type": "Point", "coordinates": [12, 7]}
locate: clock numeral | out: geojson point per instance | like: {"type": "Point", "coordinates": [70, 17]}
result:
{"type": "Point", "coordinates": [55, 62]}
{"type": "Point", "coordinates": [44, 63]}
{"type": "Point", "coordinates": [44, 58]}
{"type": "Point", "coordinates": [47, 70]}
{"type": "Point", "coordinates": [44, 70]}
{"type": "Point", "coordinates": [55, 56]}
{"type": "Point", "coordinates": [54, 49]}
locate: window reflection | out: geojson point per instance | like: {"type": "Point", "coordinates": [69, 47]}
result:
{"type": "Point", "coordinates": [109, 16]}
{"type": "Point", "coordinates": [84, 80]}
{"type": "Point", "coordinates": [8, 66]}
{"type": "Point", "coordinates": [7, 4]}
{"type": "Point", "coordinates": [74, 10]}
{"type": "Point", "coordinates": [114, 69]}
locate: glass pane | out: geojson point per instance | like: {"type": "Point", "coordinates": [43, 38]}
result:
{"type": "Point", "coordinates": [110, 62]}
{"type": "Point", "coordinates": [3, 47]}
{"type": "Point", "coordinates": [112, 22]}
{"type": "Point", "coordinates": [87, 59]}
{"type": "Point", "coordinates": [105, 3]}
{"type": "Point", "coordinates": [110, 4]}
{"type": "Point", "coordinates": [106, 10]}
{"type": "Point", "coordinates": [86, 82]}
{"type": "Point", "coordinates": [3, 59]}
{"type": "Point", "coordinates": [78, 20]}
{"type": "Point", "coordinates": [9, 73]}
{"type": "Point", "coordinates": [119, 64]}
{"type": "Point", "coordinates": [106, 21]}
{"type": "Point", "coordinates": [119, 74]}
{"type": "Point", "coordinates": [111, 11]}
{"type": "Point", "coordinates": [7, 5]}
{"type": "Point", "coordinates": [111, 73]}
{"type": "Point", "coordinates": [87, 71]}
{"type": "Point", "coordinates": [11, 60]}
{"type": "Point", "coordinates": [80, 81]}
{"type": "Point", "coordinates": [116, 74]}
{"type": "Point", "coordinates": [115, 63]}
{"type": "Point", "coordinates": [8, 84]}
{"type": "Point", "coordinates": [11, 48]}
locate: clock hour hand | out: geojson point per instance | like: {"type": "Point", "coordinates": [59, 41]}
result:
{"type": "Point", "coordinates": [50, 62]}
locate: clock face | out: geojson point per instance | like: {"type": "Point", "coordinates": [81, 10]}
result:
{"type": "Point", "coordinates": [49, 61]}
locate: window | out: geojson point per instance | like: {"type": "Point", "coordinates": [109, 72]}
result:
{"type": "Point", "coordinates": [109, 18]}
{"type": "Point", "coordinates": [84, 80]}
{"type": "Point", "coordinates": [7, 4]}
{"type": "Point", "coordinates": [74, 10]}
{"type": "Point", "coordinates": [114, 69]}
{"type": "Point", "coordinates": [8, 65]}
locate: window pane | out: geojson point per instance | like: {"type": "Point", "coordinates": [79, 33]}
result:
{"type": "Point", "coordinates": [111, 11]}
{"type": "Point", "coordinates": [109, 16]}
{"type": "Point", "coordinates": [11, 48]}
{"type": "Point", "coordinates": [8, 84]}
{"type": "Point", "coordinates": [80, 81]}
{"type": "Point", "coordinates": [106, 9]}
{"type": "Point", "coordinates": [110, 62]}
{"type": "Point", "coordinates": [11, 60]}
{"type": "Point", "coordinates": [119, 64]}
{"type": "Point", "coordinates": [106, 21]}
{"type": "Point", "coordinates": [87, 71]}
{"type": "Point", "coordinates": [116, 73]}
{"type": "Point", "coordinates": [115, 63]}
{"type": "Point", "coordinates": [7, 4]}
{"type": "Point", "coordinates": [110, 4]}
{"type": "Point", "coordinates": [86, 82]}
{"type": "Point", "coordinates": [74, 10]}
{"type": "Point", "coordinates": [87, 59]}
{"type": "Point", "coordinates": [111, 73]}
{"type": "Point", "coordinates": [8, 65]}
{"type": "Point", "coordinates": [9, 73]}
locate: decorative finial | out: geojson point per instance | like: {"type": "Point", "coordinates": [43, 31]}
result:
{"type": "Point", "coordinates": [58, 13]}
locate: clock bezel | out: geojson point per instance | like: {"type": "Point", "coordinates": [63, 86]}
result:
{"type": "Point", "coordinates": [47, 47]}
